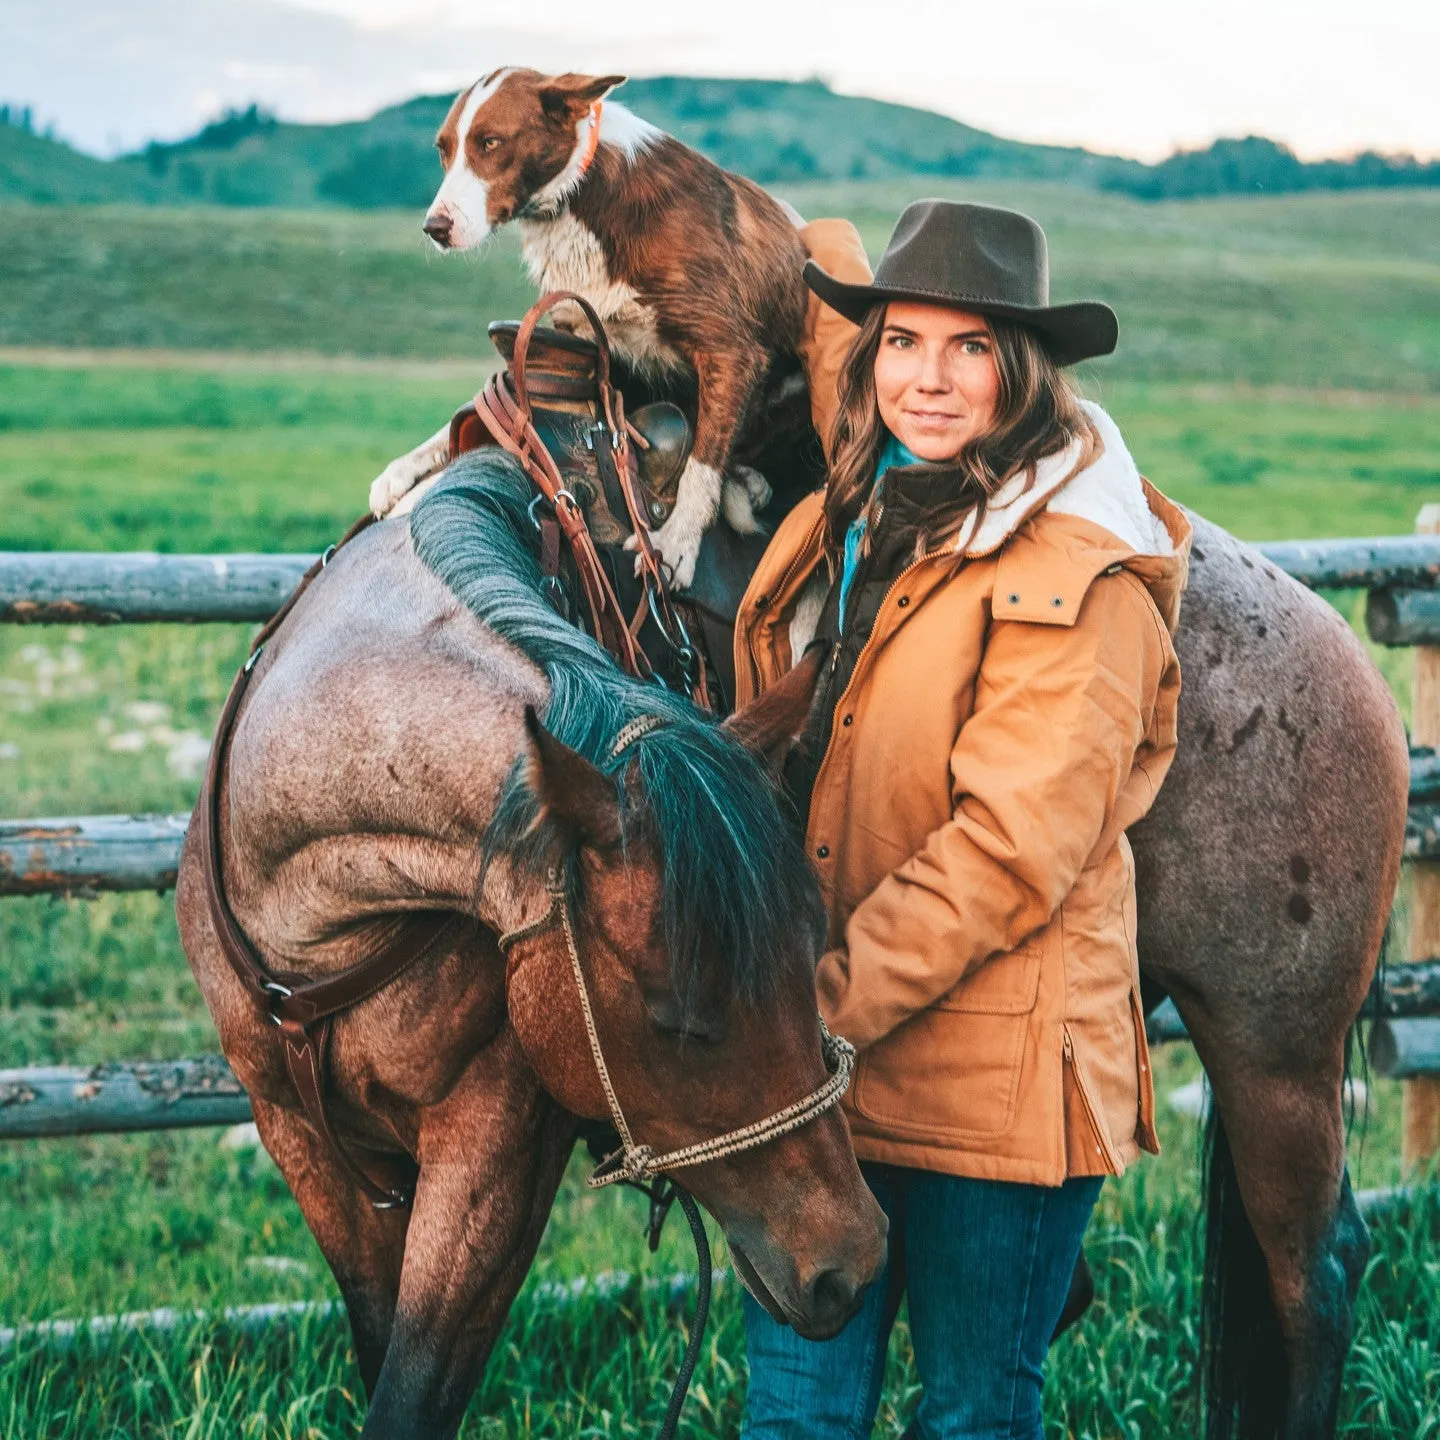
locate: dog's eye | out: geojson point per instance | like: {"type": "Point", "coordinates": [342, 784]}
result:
{"type": "Point", "coordinates": [491, 142]}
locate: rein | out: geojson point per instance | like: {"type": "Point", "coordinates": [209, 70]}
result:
{"type": "Point", "coordinates": [504, 409]}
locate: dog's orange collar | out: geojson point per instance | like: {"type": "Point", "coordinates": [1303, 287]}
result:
{"type": "Point", "coordinates": [592, 141]}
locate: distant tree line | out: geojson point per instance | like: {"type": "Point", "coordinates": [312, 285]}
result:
{"type": "Point", "coordinates": [1255, 164]}
{"type": "Point", "coordinates": [224, 133]}
{"type": "Point", "coordinates": [776, 132]}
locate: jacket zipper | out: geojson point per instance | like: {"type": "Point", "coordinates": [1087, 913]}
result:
{"type": "Point", "coordinates": [779, 589]}
{"type": "Point", "coordinates": [794, 565]}
{"type": "Point", "coordinates": [1101, 1145]}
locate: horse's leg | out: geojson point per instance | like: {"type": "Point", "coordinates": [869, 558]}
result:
{"type": "Point", "coordinates": [1079, 1298]}
{"type": "Point", "coordinates": [491, 1158]}
{"type": "Point", "coordinates": [363, 1246]}
{"type": "Point", "coordinates": [1282, 1146]}
{"type": "Point", "coordinates": [1264, 876]}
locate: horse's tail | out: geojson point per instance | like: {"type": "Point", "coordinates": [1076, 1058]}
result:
{"type": "Point", "coordinates": [1246, 1379]}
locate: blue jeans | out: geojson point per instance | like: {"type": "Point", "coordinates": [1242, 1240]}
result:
{"type": "Point", "coordinates": [987, 1267]}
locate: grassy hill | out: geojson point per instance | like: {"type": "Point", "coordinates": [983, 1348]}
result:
{"type": "Point", "coordinates": [1306, 290]}
{"type": "Point", "coordinates": [775, 131]}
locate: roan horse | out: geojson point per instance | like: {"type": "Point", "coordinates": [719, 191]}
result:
{"type": "Point", "coordinates": [367, 763]}
{"type": "Point", "coordinates": [386, 764]}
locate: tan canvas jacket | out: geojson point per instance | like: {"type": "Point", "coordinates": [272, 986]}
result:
{"type": "Point", "coordinates": [1012, 712]}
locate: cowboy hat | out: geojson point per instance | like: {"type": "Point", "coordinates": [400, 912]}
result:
{"type": "Point", "coordinates": [979, 258]}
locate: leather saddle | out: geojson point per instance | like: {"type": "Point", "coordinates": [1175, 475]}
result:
{"type": "Point", "coordinates": [562, 384]}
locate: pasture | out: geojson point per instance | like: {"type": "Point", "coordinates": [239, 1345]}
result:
{"type": "Point", "coordinates": [1281, 374]}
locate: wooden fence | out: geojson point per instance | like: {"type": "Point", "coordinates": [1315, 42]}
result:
{"type": "Point", "coordinates": [85, 855]}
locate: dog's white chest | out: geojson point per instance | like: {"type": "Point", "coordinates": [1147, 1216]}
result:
{"type": "Point", "coordinates": [563, 254]}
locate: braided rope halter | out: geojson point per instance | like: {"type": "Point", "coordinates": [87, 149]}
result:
{"type": "Point", "coordinates": [640, 1162]}
{"type": "Point", "coordinates": [637, 1163]}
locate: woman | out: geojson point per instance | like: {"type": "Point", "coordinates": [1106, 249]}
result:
{"type": "Point", "coordinates": [995, 589]}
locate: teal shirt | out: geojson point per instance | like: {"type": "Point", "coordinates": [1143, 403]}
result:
{"type": "Point", "coordinates": [894, 453]}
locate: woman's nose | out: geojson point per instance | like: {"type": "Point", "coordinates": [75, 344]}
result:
{"type": "Point", "coordinates": [934, 378]}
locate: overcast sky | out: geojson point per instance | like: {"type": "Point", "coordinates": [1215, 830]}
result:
{"type": "Point", "coordinates": [1136, 77]}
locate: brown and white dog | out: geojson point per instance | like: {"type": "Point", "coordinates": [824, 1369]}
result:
{"type": "Point", "coordinates": [693, 270]}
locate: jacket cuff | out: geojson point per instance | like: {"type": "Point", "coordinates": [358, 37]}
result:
{"type": "Point", "coordinates": [832, 989]}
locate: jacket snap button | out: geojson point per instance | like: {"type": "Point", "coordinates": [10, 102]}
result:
{"type": "Point", "coordinates": [761, 601]}
{"type": "Point", "coordinates": [847, 719]}
{"type": "Point", "coordinates": [1013, 599]}
{"type": "Point", "coordinates": [823, 852]}
{"type": "Point", "coordinates": [903, 601]}
{"type": "Point", "coordinates": [1057, 601]}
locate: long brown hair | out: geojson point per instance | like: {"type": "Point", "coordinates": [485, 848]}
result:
{"type": "Point", "coordinates": [1037, 413]}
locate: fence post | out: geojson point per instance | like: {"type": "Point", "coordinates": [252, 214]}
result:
{"type": "Point", "coordinates": [1420, 1112]}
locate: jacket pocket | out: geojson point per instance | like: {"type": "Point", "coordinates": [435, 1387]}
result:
{"type": "Point", "coordinates": [1004, 985]}
{"type": "Point", "coordinates": [953, 1072]}
{"type": "Point", "coordinates": [945, 1077]}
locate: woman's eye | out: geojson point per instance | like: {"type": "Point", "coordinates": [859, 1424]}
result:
{"type": "Point", "coordinates": [976, 347]}
{"type": "Point", "coordinates": [901, 342]}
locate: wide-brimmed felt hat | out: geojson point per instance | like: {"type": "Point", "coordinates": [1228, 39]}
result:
{"type": "Point", "coordinates": [980, 258]}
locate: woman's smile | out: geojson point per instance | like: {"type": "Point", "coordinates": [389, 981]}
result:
{"type": "Point", "coordinates": [932, 419]}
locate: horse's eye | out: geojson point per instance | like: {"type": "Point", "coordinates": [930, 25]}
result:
{"type": "Point", "coordinates": [691, 1031]}
{"type": "Point", "coordinates": [491, 142]}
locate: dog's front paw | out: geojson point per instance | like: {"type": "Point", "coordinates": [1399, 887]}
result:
{"type": "Point", "coordinates": [745, 491]}
{"type": "Point", "coordinates": [697, 500]}
{"type": "Point", "coordinates": [401, 476]}
{"type": "Point", "coordinates": [678, 548]}
{"type": "Point", "coordinates": [390, 484]}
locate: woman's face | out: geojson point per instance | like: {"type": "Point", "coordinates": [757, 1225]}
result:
{"type": "Point", "coordinates": [935, 378]}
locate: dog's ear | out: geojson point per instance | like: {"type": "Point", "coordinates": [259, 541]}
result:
{"type": "Point", "coordinates": [566, 98]}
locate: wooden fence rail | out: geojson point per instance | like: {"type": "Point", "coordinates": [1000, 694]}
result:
{"type": "Point", "coordinates": [70, 587]}
{"type": "Point", "coordinates": [87, 853]}
{"type": "Point", "coordinates": [108, 1099]}
{"type": "Point", "coordinates": [145, 1095]}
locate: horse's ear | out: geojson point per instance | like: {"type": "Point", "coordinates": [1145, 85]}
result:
{"type": "Point", "coordinates": [573, 794]}
{"type": "Point", "coordinates": [568, 97]}
{"type": "Point", "coordinates": [772, 724]}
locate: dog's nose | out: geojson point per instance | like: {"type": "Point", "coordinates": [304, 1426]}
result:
{"type": "Point", "coordinates": [438, 228]}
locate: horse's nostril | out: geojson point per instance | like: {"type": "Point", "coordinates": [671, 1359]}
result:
{"type": "Point", "coordinates": [438, 228]}
{"type": "Point", "coordinates": [832, 1293]}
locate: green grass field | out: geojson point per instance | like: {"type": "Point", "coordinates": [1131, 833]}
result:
{"type": "Point", "coordinates": [1329, 428]}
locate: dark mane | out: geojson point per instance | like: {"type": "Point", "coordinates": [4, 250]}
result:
{"type": "Point", "coordinates": [736, 880]}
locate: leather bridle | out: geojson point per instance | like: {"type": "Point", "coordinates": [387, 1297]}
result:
{"type": "Point", "coordinates": [503, 407]}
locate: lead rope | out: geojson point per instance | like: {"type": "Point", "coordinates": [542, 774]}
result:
{"type": "Point", "coordinates": [635, 1165]}
{"type": "Point", "coordinates": [638, 1166]}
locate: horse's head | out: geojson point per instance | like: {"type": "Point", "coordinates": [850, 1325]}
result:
{"type": "Point", "coordinates": [697, 923]}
